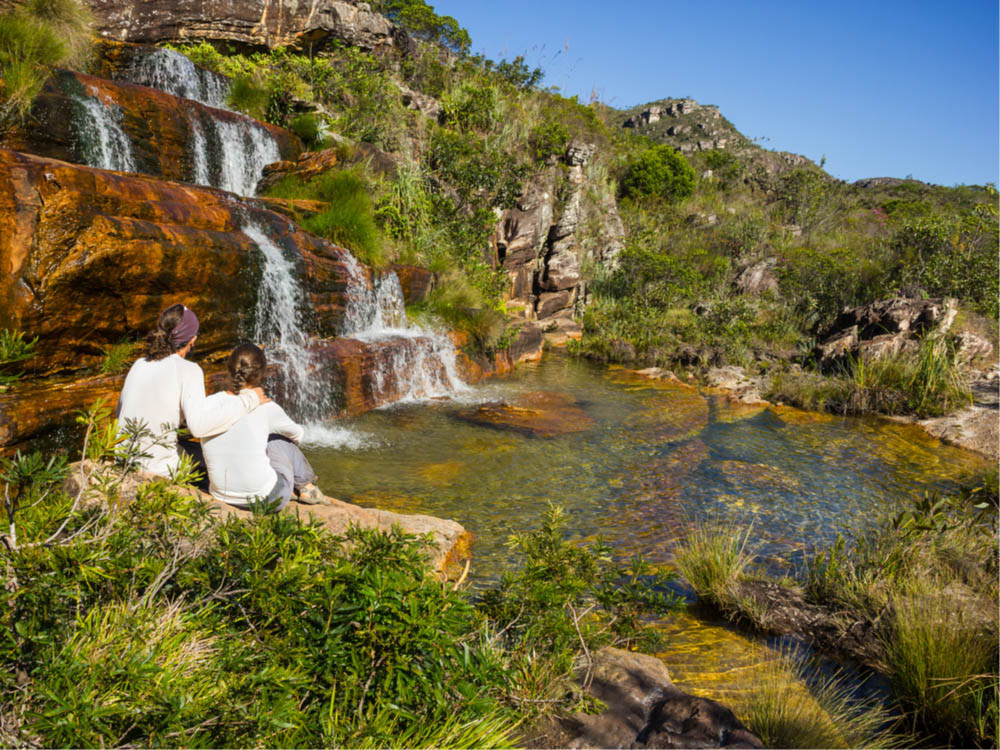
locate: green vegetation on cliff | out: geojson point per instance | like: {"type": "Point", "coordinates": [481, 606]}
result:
{"type": "Point", "coordinates": [34, 38]}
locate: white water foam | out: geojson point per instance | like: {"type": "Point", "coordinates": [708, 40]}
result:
{"type": "Point", "coordinates": [103, 140]}
{"type": "Point", "coordinates": [244, 149]}
{"type": "Point", "coordinates": [415, 364]}
{"type": "Point", "coordinates": [326, 435]}
{"type": "Point", "coordinates": [170, 71]}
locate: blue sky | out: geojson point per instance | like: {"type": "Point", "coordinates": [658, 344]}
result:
{"type": "Point", "coordinates": [881, 88]}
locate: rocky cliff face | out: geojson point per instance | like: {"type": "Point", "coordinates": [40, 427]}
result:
{"type": "Point", "coordinates": [565, 218]}
{"type": "Point", "coordinates": [248, 23]}
{"type": "Point", "coordinates": [91, 257]}
{"type": "Point", "coordinates": [117, 125]}
{"type": "Point", "coordinates": [684, 124]}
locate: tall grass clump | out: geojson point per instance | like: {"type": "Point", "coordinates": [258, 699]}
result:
{"type": "Point", "coordinates": [792, 703]}
{"type": "Point", "coordinates": [713, 560]}
{"type": "Point", "coordinates": [34, 38]}
{"type": "Point", "coordinates": [942, 658]}
{"type": "Point", "coordinates": [348, 219]}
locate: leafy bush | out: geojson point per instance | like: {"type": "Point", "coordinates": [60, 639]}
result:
{"type": "Point", "coordinates": [549, 138]}
{"type": "Point", "coordinates": [659, 172]}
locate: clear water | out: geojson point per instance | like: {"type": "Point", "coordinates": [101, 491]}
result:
{"type": "Point", "coordinates": [656, 460]}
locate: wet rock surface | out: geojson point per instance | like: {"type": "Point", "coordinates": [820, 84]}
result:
{"type": "Point", "coordinates": [161, 128]}
{"type": "Point", "coordinates": [644, 709]}
{"type": "Point", "coordinates": [536, 414]}
{"type": "Point", "coordinates": [91, 257]}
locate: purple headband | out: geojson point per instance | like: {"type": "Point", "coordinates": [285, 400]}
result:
{"type": "Point", "coordinates": [185, 330]}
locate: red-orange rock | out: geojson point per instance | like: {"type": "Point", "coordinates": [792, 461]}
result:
{"type": "Point", "coordinates": [161, 127]}
{"type": "Point", "coordinates": [90, 257]}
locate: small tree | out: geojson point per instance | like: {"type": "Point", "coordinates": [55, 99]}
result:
{"type": "Point", "coordinates": [662, 172]}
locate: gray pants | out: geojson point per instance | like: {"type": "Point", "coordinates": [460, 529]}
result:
{"type": "Point", "coordinates": [292, 467]}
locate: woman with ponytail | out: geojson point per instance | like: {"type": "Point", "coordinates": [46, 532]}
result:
{"type": "Point", "coordinates": [164, 390]}
{"type": "Point", "coordinates": [258, 457]}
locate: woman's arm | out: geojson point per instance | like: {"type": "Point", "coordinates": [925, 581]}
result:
{"type": "Point", "coordinates": [281, 424]}
{"type": "Point", "coordinates": [210, 417]}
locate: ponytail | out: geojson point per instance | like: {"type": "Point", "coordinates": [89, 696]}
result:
{"type": "Point", "coordinates": [158, 343]}
{"type": "Point", "coordinates": [247, 364]}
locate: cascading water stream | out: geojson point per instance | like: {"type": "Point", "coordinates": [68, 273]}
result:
{"type": "Point", "coordinates": [170, 71]}
{"type": "Point", "coordinates": [279, 328]}
{"type": "Point", "coordinates": [103, 141]}
{"type": "Point", "coordinates": [418, 364]}
{"type": "Point", "coordinates": [227, 150]}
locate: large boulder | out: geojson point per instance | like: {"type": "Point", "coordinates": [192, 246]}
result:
{"type": "Point", "coordinates": [643, 709]}
{"type": "Point", "coordinates": [884, 327]}
{"type": "Point", "coordinates": [90, 258]}
{"type": "Point", "coordinates": [248, 23]}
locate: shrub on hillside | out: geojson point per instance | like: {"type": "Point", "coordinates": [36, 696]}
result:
{"type": "Point", "coordinates": [660, 172]}
{"type": "Point", "coordinates": [35, 38]}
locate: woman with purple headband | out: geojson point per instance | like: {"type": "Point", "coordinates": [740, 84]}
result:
{"type": "Point", "coordinates": [164, 390]}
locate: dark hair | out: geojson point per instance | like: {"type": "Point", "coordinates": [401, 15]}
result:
{"type": "Point", "coordinates": [246, 366]}
{"type": "Point", "coordinates": [158, 343]}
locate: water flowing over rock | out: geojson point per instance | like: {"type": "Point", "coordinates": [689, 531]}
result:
{"type": "Point", "coordinates": [174, 73]}
{"type": "Point", "coordinates": [249, 23]}
{"type": "Point", "coordinates": [132, 128]}
{"type": "Point", "coordinates": [91, 257]}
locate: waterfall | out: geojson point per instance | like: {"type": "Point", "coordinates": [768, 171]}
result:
{"type": "Point", "coordinates": [103, 142]}
{"type": "Point", "coordinates": [415, 362]}
{"type": "Point", "coordinates": [229, 152]}
{"type": "Point", "coordinates": [170, 71]}
{"type": "Point", "coordinates": [279, 328]}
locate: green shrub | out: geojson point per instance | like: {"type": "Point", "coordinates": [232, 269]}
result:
{"type": "Point", "coordinates": [118, 357]}
{"type": "Point", "coordinates": [349, 219]}
{"type": "Point", "coordinates": [548, 139]}
{"type": "Point", "coordinates": [660, 172]}
{"type": "Point", "coordinates": [306, 127]}
{"type": "Point", "coordinates": [713, 561]}
{"type": "Point", "coordinates": [474, 106]}
{"type": "Point", "coordinates": [248, 97]}
{"type": "Point", "coordinates": [419, 18]}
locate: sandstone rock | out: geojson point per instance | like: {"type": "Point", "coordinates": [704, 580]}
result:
{"type": "Point", "coordinates": [423, 103]}
{"type": "Point", "coordinates": [758, 278]}
{"type": "Point", "coordinates": [884, 327]}
{"type": "Point", "coordinates": [550, 303]}
{"type": "Point", "coordinates": [971, 347]}
{"type": "Point", "coordinates": [160, 127]}
{"type": "Point", "coordinates": [734, 379]}
{"type": "Point", "coordinates": [416, 282]}
{"type": "Point", "coordinates": [252, 23]}
{"type": "Point", "coordinates": [644, 709]}
{"type": "Point", "coordinates": [91, 257]}
{"type": "Point", "coordinates": [579, 153]}
{"type": "Point", "coordinates": [450, 541]}
{"type": "Point", "coordinates": [562, 271]}
{"type": "Point", "coordinates": [537, 414]}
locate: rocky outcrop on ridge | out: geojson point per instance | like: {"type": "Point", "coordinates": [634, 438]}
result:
{"type": "Point", "coordinates": [685, 124]}
{"type": "Point", "coordinates": [249, 23]}
{"type": "Point", "coordinates": [553, 229]}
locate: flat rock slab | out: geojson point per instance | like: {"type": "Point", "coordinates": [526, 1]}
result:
{"type": "Point", "coordinates": [450, 542]}
{"type": "Point", "coordinates": [644, 709]}
{"type": "Point", "coordinates": [537, 414]}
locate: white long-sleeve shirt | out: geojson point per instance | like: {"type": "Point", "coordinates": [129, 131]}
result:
{"type": "Point", "coordinates": [238, 466]}
{"type": "Point", "coordinates": [165, 393]}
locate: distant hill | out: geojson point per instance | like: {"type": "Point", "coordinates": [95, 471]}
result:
{"type": "Point", "coordinates": [690, 127]}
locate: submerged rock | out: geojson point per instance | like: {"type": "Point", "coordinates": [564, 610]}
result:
{"type": "Point", "coordinates": [644, 709]}
{"type": "Point", "coordinates": [538, 414]}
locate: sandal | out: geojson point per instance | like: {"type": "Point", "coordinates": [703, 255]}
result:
{"type": "Point", "coordinates": [310, 495]}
